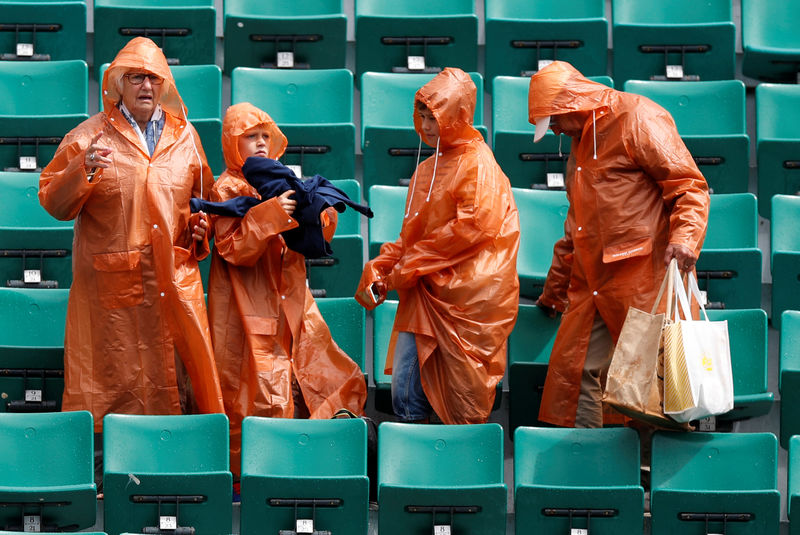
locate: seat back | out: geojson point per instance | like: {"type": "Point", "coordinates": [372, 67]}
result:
{"type": "Point", "coordinates": [793, 480]}
{"type": "Point", "coordinates": [561, 457]}
{"type": "Point", "coordinates": [321, 136]}
{"type": "Point", "coordinates": [710, 116]}
{"type": "Point", "coordinates": [648, 40]}
{"type": "Point", "coordinates": [546, 212]}
{"type": "Point", "coordinates": [27, 229]}
{"type": "Point", "coordinates": [388, 202]}
{"type": "Point", "coordinates": [200, 87]}
{"type": "Point", "coordinates": [32, 348]}
{"type": "Point", "coordinates": [777, 142]}
{"type": "Point", "coordinates": [717, 470]}
{"type": "Point", "coordinates": [174, 457]}
{"type": "Point", "coordinates": [382, 27]}
{"type": "Point", "coordinates": [346, 319]}
{"type": "Point", "coordinates": [521, 34]}
{"type": "Point", "coordinates": [425, 466]}
{"type": "Point", "coordinates": [789, 378]}
{"type": "Point", "coordinates": [529, 348]}
{"type": "Point", "coordinates": [44, 100]}
{"type": "Point", "coordinates": [43, 30]}
{"type": "Point", "coordinates": [47, 462]}
{"type": "Point", "coordinates": [747, 332]}
{"type": "Point", "coordinates": [382, 322]}
{"type": "Point", "coordinates": [770, 43]}
{"type": "Point", "coordinates": [314, 32]}
{"type": "Point", "coordinates": [183, 29]}
{"type": "Point", "coordinates": [729, 266]}
{"type": "Point", "coordinates": [288, 463]}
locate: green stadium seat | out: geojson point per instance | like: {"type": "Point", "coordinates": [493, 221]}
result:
{"type": "Point", "coordinates": [47, 462]}
{"type": "Point", "coordinates": [35, 248]}
{"type": "Point", "coordinates": [160, 472]}
{"type": "Point", "coordinates": [313, 108]}
{"type": "Point", "coordinates": [789, 378]}
{"type": "Point", "coordinates": [747, 332]}
{"type": "Point", "coordinates": [42, 30]}
{"type": "Point", "coordinates": [673, 40]}
{"type": "Point", "coordinates": [346, 320]}
{"type": "Point", "coordinates": [527, 165]}
{"type": "Point", "coordinates": [729, 267]}
{"type": "Point", "coordinates": [793, 482]}
{"type": "Point", "coordinates": [577, 479]}
{"type": "Point", "coordinates": [529, 348]}
{"type": "Point", "coordinates": [200, 87]}
{"type": "Point", "coordinates": [785, 255]}
{"type": "Point", "coordinates": [707, 476]}
{"type": "Point", "coordinates": [184, 29]}
{"type": "Point", "coordinates": [415, 36]}
{"type": "Point", "coordinates": [32, 349]}
{"type": "Point", "coordinates": [382, 323]}
{"type": "Point", "coordinates": [523, 36]}
{"type": "Point", "coordinates": [546, 212]}
{"type": "Point", "coordinates": [43, 100]}
{"type": "Point", "coordinates": [338, 275]}
{"type": "Point", "coordinates": [286, 35]}
{"type": "Point", "coordinates": [777, 142]}
{"type": "Point", "coordinates": [389, 142]}
{"type": "Point", "coordinates": [309, 473]}
{"type": "Point", "coordinates": [441, 475]}
{"type": "Point", "coordinates": [710, 116]}
{"type": "Point", "coordinates": [389, 202]}
{"type": "Point", "coordinates": [770, 42]}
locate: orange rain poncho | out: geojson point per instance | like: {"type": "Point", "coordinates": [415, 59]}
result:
{"type": "Point", "coordinates": [642, 192]}
{"type": "Point", "coordinates": [266, 327]}
{"type": "Point", "coordinates": [136, 296]}
{"type": "Point", "coordinates": [455, 263]}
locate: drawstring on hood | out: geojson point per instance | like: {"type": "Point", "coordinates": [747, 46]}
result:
{"type": "Point", "coordinates": [594, 135]}
{"type": "Point", "coordinates": [414, 184]}
{"type": "Point", "coordinates": [435, 164]}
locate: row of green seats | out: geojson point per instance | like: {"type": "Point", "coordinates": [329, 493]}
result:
{"type": "Point", "coordinates": [657, 40]}
{"type": "Point", "coordinates": [310, 476]}
{"type": "Point", "coordinates": [710, 117]}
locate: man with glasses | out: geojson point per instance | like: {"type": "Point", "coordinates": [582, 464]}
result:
{"type": "Point", "coordinates": [137, 337]}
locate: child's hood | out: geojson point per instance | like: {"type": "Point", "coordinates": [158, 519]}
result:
{"type": "Point", "coordinates": [239, 119]}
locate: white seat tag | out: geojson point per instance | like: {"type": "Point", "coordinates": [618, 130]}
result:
{"type": "Point", "coordinates": [25, 50]}
{"type": "Point", "coordinates": [32, 523]}
{"type": "Point", "coordinates": [27, 163]}
{"type": "Point", "coordinates": [297, 170]}
{"type": "Point", "coordinates": [578, 531]}
{"type": "Point", "coordinates": [441, 530]}
{"type": "Point", "coordinates": [285, 60]}
{"type": "Point", "coordinates": [33, 395]}
{"type": "Point", "coordinates": [674, 72]}
{"type": "Point", "coordinates": [168, 522]}
{"type": "Point", "coordinates": [416, 63]}
{"type": "Point", "coordinates": [32, 276]}
{"type": "Point", "coordinates": [708, 424]}
{"type": "Point", "coordinates": [544, 63]}
{"type": "Point", "coordinates": [555, 180]}
{"type": "Point", "coordinates": [304, 525]}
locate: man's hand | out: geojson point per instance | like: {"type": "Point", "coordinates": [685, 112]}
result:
{"type": "Point", "coordinates": [685, 257]}
{"type": "Point", "coordinates": [550, 311]}
{"type": "Point", "coordinates": [199, 230]}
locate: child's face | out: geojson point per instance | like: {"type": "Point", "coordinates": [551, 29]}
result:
{"type": "Point", "coordinates": [429, 125]}
{"type": "Point", "coordinates": [254, 142]}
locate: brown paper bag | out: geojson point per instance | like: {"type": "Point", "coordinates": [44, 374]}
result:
{"type": "Point", "coordinates": [635, 382]}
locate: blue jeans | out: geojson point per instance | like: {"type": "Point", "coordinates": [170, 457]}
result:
{"type": "Point", "coordinates": [408, 399]}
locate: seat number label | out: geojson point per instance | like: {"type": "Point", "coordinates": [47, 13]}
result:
{"type": "Point", "coordinates": [285, 60]}
{"type": "Point", "coordinates": [416, 63]}
{"type": "Point", "coordinates": [168, 522]}
{"type": "Point", "coordinates": [27, 163]}
{"type": "Point", "coordinates": [674, 72]}
{"type": "Point", "coordinates": [441, 530]}
{"type": "Point", "coordinates": [555, 180]}
{"type": "Point", "coordinates": [25, 49]}
{"type": "Point", "coordinates": [32, 523]}
{"type": "Point", "coordinates": [304, 525]}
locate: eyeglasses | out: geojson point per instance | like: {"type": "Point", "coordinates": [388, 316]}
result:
{"type": "Point", "coordinates": [138, 78]}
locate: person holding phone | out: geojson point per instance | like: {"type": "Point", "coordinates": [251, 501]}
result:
{"type": "Point", "coordinates": [454, 266]}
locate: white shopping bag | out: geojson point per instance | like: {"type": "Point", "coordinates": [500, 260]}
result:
{"type": "Point", "coordinates": [698, 380]}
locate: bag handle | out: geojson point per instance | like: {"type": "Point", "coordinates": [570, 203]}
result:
{"type": "Point", "coordinates": [666, 284]}
{"type": "Point", "coordinates": [685, 298]}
